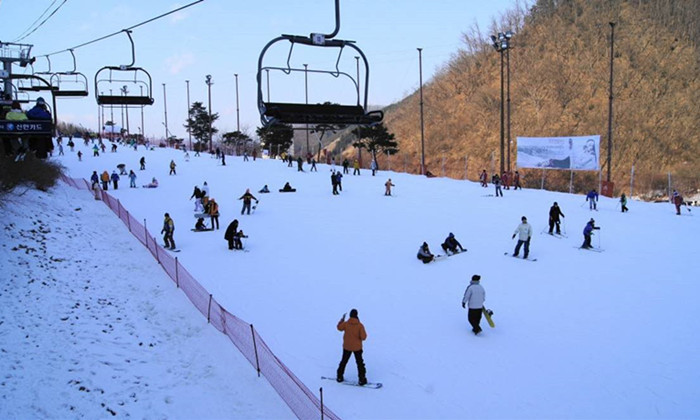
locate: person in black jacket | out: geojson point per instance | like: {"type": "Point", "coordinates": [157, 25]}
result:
{"type": "Point", "coordinates": [554, 213]}
{"type": "Point", "coordinates": [247, 199]}
{"type": "Point", "coordinates": [231, 232]}
{"type": "Point", "coordinates": [451, 244]}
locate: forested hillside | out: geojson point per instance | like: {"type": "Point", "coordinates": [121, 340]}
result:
{"type": "Point", "coordinates": [559, 86]}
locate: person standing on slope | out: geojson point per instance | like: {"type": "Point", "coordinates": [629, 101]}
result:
{"type": "Point", "coordinates": [473, 299]}
{"type": "Point", "coordinates": [554, 213]}
{"type": "Point", "coordinates": [247, 199]}
{"type": "Point", "coordinates": [231, 232]}
{"type": "Point", "coordinates": [592, 198]}
{"type": "Point", "coordinates": [388, 186]}
{"type": "Point", "coordinates": [623, 203]}
{"type": "Point", "coordinates": [524, 232]}
{"type": "Point", "coordinates": [353, 335]}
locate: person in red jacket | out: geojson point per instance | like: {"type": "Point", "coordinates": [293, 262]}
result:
{"type": "Point", "coordinates": [354, 335]}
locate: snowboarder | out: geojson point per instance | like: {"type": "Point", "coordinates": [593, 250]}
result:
{"type": "Point", "coordinates": [388, 186]}
{"type": "Point", "coordinates": [105, 180]}
{"type": "Point", "coordinates": [339, 180]}
{"type": "Point", "coordinates": [167, 231]}
{"type": "Point", "coordinates": [353, 335]}
{"type": "Point", "coordinates": [524, 232]}
{"type": "Point", "coordinates": [677, 200]}
{"type": "Point", "coordinates": [313, 165]}
{"type": "Point", "coordinates": [587, 233]}
{"type": "Point", "coordinates": [172, 168]}
{"type": "Point", "coordinates": [80, 156]}
{"type": "Point", "coordinates": [287, 188]}
{"type": "Point", "coordinates": [592, 198]}
{"type": "Point", "coordinates": [300, 164]}
{"type": "Point", "coordinates": [153, 183]}
{"type": "Point", "coordinates": [346, 164]}
{"type": "Point", "coordinates": [334, 183]}
{"type": "Point", "coordinates": [264, 190]}
{"type": "Point", "coordinates": [356, 167]}
{"type": "Point", "coordinates": [623, 203]}
{"type": "Point", "coordinates": [473, 299]}
{"type": "Point", "coordinates": [451, 244]}
{"type": "Point", "coordinates": [197, 194]}
{"type": "Point", "coordinates": [554, 213]}
{"type": "Point", "coordinates": [142, 162]}
{"type": "Point", "coordinates": [200, 224]}
{"type": "Point", "coordinates": [424, 253]}
{"type": "Point", "coordinates": [94, 178]}
{"type": "Point", "coordinates": [230, 233]}
{"type": "Point", "coordinates": [247, 198]}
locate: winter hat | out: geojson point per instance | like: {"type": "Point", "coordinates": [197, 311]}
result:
{"type": "Point", "coordinates": [425, 244]}
{"type": "Point", "coordinates": [353, 313]}
{"type": "Point", "coordinates": [451, 235]}
{"type": "Point", "coordinates": [591, 221]}
{"type": "Point", "coordinates": [40, 101]}
{"type": "Point", "coordinates": [476, 277]}
{"type": "Point", "coordinates": [524, 219]}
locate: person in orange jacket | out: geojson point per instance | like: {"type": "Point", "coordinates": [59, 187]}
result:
{"type": "Point", "coordinates": [354, 335]}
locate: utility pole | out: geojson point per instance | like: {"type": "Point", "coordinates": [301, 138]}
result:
{"type": "Point", "coordinates": [610, 106]}
{"type": "Point", "coordinates": [306, 90]}
{"type": "Point", "coordinates": [189, 132]}
{"type": "Point", "coordinates": [143, 130]}
{"type": "Point", "coordinates": [238, 116]}
{"type": "Point", "coordinates": [422, 130]}
{"type": "Point", "coordinates": [209, 83]}
{"type": "Point", "coordinates": [165, 108]}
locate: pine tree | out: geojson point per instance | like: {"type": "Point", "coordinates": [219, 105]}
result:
{"type": "Point", "coordinates": [276, 138]}
{"type": "Point", "coordinates": [198, 123]}
{"type": "Point", "coordinates": [375, 139]}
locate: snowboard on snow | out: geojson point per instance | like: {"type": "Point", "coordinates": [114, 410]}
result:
{"type": "Point", "coordinates": [201, 230]}
{"type": "Point", "coordinates": [487, 314]}
{"type": "Point", "coordinates": [372, 385]}
{"type": "Point", "coordinates": [525, 259]}
{"type": "Point", "coordinates": [172, 250]}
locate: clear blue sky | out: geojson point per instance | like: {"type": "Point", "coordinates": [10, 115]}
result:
{"type": "Point", "coordinates": [225, 37]}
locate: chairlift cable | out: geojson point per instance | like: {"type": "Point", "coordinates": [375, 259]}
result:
{"type": "Point", "coordinates": [37, 20]}
{"type": "Point", "coordinates": [44, 21]}
{"type": "Point", "coordinates": [126, 29]}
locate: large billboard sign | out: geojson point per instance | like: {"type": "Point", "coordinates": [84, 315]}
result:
{"type": "Point", "coordinates": [569, 153]}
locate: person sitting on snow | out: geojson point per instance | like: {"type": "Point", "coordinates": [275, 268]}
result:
{"type": "Point", "coordinates": [153, 184]}
{"type": "Point", "coordinates": [424, 253]}
{"type": "Point", "coordinates": [200, 224]}
{"type": "Point", "coordinates": [451, 244]}
{"type": "Point", "coordinates": [264, 190]}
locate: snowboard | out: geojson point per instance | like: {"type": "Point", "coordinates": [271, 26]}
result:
{"type": "Point", "coordinates": [372, 385]}
{"type": "Point", "coordinates": [201, 230]}
{"type": "Point", "coordinates": [172, 250]}
{"type": "Point", "coordinates": [487, 315]}
{"type": "Point", "coordinates": [524, 259]}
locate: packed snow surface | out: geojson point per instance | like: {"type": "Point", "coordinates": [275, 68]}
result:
{"type": "Point", "coordinates": [91, 324]}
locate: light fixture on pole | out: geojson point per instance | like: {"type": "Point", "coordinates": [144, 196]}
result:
{"type": "Point", "coordinates": [189, 132]}
{"type": "Point", "coordinates": [209, 83]}
{"type": "Point", "coordinates": [143, 130]}
{"type": "Point", "coordinates": [422, 130]}
{"type": "Point", "coordinates": [501, 43]}
{"type": "Point", "coordinates": [238, 115]}
{"type": "Point", "coordinates": [165, 110]}
{"type": "Point", "coordinates": [111, 113]}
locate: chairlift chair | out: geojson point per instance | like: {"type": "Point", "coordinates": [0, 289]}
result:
{"type": "Point", "coordinates": [69, 84]}
{"type": "Point", "coordinates": [34, 85]}
{"type": "Point", "coordinates": [114, 77]}
{"type": "Point", "coordinates": [314, 114]}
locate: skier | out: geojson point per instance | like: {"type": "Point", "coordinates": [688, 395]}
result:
{"type": "Point", "coordinates": [300, 164]}
{"type": "Point", "coordinates": [592, 198]}
{"type": "Point", "coordinates": [94, 178]}
{"type": "Point", "coordinates": [482, 178]}
{"type": "Point", "coordinates": [142, 162]}
{"type": "Point", "coordinates": [80, 156]}
{"type": "Point", "coordinates": [167, 231]}
{"type": "Point", "coordinates": [524, 232]}
{"type": "Point", "coordinates": [496, 180]}
{"type": "Point", "coordinates": [313, 165]}
{"type": "Point", "coordinates": [231, 231]}
{"type": "Point", "coordinates": [623, 203]}
{"type": "Point", "coordinates": [172, 168]}
{"type": "Point", "coordinates": [451, 244]}
{"type": "Point", "coordinates": [587, 233]}
{"type": "Point", "coordinates": [353, 335]}
{"type": "Point", "coordinates": [346, 164]}
{"type": "Point", "coordinates": [247, 198]}
{"type": "Point", "coordinates": [554, 213]}
{"type": "Point", "coordinates": [115, 179]}
{"type": "Point", "coordinates": [388, 186]}
{"type": "Point", "coordinates": [339, 180]}
{"type": "Point", "coordinates": [424, 253]}
{"type": "Point", "coordinates": [474, 298]}
{"type": "Point", "coordinates": [373, 166]}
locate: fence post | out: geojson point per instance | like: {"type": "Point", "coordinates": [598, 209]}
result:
{"type": "Point", "coordinates": [209, 309]}
{"type": "Point", "coordinates": [669, 187]}
{"type": "Point", "coordinates": [255, 348]}
{"type": "Point", "coordinates": [177, 276]}
{"type": "Point", "coordinates": [145, 232]}
{"type": "Point", "coordinates": [119, 209]}
{"type": "Point", "coordinates": [321, 391]}
{"type": "Point", "coordinates": [466, 167]}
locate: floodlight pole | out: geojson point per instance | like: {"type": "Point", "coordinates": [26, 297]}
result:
{"type": "Point", "coordinates": [126, 109]}
{"type": "Point", "coordinates": [165, 109]}
{"type": "Point", "coordinates": [238, 116]}
{"type": "Point", "coordinates": [189, 131]}
{"type": "Point", "coordinates": [209, 83]}
{"type": "Point", "coordinates": [306, 90]}
{"type": "Point", "coordinates": [422, 126]}
{"type": "Point", "coordinates": [143, 130]}
{"type": "Point", "coordinates": [359, 149]}
{"type": "Point", "coordinates": [508, 103]}
{"type": "Point", "coordinates": [111, 116]}
{"type": "Point", "coordinates": [610, 105]}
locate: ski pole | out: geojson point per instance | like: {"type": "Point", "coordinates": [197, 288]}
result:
{"type": "Point", "coordinates": [599, 240]}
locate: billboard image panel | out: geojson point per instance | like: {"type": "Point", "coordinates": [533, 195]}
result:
{"type": "Point", "coordinates": [571, 153]}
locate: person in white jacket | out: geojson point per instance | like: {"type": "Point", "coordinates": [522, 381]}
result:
{"type": "Point", "coordinates": [524, 232]}
{"type": "Point", "coordinates": [473, 299]}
